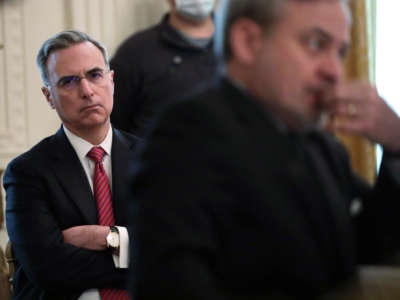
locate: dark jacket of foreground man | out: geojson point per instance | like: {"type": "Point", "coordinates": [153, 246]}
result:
{"type": "Point", "coordinates": [230, 205]}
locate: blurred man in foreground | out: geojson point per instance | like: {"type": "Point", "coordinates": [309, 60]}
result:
{"type": "Point", "coordinates": [241, 194]}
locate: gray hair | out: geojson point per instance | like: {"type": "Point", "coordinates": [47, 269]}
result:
{"type": "Point", "coordinates": [266, 13]}
{"type": "Point", "coordinates": [64, 40]}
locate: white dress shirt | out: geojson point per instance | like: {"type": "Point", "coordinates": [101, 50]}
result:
{"type": "Point", "coordinates": [82, 148]}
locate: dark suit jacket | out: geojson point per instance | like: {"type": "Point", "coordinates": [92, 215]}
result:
{"type": "Point", "coordinates": [47, 191]}
{"type": "Point", "coordinates": [243, 209]}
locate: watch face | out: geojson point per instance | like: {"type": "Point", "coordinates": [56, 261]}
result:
{"type": "Point", "coordinates": [113, 239]}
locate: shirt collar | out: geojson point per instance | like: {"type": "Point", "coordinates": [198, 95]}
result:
{"type": "Point", "coordinates": [82, 147]}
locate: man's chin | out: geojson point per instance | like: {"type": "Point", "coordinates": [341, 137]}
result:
{"type": "Point", "coordinates": [95, 123]}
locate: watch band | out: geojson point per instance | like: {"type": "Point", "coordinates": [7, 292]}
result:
{"type": "Point", "coordinates": [114, 229]}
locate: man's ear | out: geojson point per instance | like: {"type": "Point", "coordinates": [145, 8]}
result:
{"type": "Point", "coordinates": [112, 80]}
{"type": "Point", "coordinates": [245, 39]}
{"type": "Point", "coordinates": [47, 94]}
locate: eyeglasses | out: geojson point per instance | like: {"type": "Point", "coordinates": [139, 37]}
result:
{"type": "Point", "coordinates": [95, 76]}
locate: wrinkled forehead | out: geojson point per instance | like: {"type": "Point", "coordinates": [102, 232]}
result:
{"type": "Point", "coordinates": [330, 16]}
{"type": "Point", "coordinates": [345, 4]}
{"type": "Point", "coordinates": [75, 59]}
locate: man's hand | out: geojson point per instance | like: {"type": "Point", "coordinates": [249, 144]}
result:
{"type": "Point", "coordinates": [92, 237]}
{"type": "Point", "coordinates": [356, 108]}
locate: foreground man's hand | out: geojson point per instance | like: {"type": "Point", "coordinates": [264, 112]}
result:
{"type": "Point", "coordinates": [356, 108]}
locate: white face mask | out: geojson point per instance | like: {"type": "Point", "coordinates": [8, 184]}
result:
{"type": "Point", "coordinates": [194, 10]}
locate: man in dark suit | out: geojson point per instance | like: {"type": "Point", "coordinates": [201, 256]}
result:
{"type": "Point", "coordinates": [66, 197]}
{"type": "Point", "coordinates": [240, 193]}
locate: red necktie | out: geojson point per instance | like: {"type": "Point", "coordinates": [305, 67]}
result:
{"type": "Point", "coordinates": [102, 194]}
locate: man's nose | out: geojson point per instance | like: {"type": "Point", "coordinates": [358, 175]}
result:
{"type": "Point", "coordinates": [331, 69]}
{"type": "Point", "coordinates": [85, 88]}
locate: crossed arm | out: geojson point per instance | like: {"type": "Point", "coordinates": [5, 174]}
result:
{"type": "Point", "coordinates": [91, 237]}
{"type": "Point", "coordinates": [54, 259]}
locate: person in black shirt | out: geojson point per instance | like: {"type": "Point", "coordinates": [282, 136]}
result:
{"type": "Point", "coordinates": [160, 65]}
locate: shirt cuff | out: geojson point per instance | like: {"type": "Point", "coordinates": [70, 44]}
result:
{"type": "Point", "coordinates": [122, 260]}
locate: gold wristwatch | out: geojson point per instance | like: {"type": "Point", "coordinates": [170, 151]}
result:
{"type": "Point", "coordinates": [113, 238]}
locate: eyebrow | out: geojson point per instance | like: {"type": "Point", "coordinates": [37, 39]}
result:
{"type": "Point", "coordinates": [328, 37]}
{"type": "Point", "coordinates": [95, 69]}
{"type": "Point", "coordinates": [321, 32]}
{"type": "Point", "coordinates": [91, 71]}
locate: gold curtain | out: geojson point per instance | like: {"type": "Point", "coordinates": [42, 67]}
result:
{"type": "Point", "coordinates": [362, 152]}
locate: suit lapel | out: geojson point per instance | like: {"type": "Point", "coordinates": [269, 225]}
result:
{"type": "Point", "coordinates": [72, 177]}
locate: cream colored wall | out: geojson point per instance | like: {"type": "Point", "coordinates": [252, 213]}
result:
{"type": "Point", "coordinates": [25, 117]}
